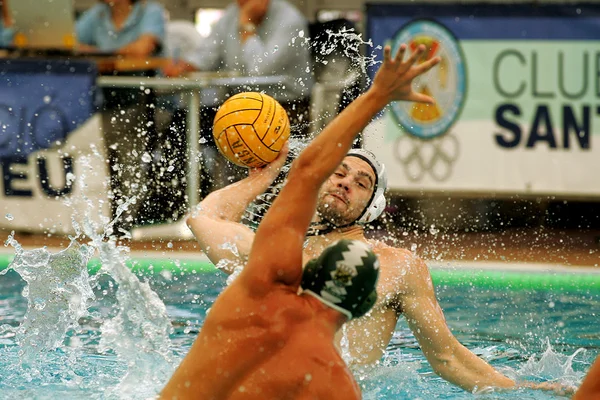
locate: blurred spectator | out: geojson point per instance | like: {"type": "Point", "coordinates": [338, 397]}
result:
{"type": "Point", "coordinates": [133, 28]}
{"type": "Point", "coordinates": [256, 38]}
{"type": "Point", "coordinates": [6, 31]}
{"type": "Point", "coordinates": [182, 39]}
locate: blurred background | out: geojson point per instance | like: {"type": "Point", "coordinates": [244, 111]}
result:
{"type": "Point", "coordinates": [105, 101]}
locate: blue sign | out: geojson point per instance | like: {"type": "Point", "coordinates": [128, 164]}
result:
{"type": "Point", "coordinates": [504, 55]}
{"type": "Point", "coordinates": [41, 102]}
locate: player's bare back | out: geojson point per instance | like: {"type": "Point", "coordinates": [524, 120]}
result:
{"type": "Point", "coordinates": [264, 346]}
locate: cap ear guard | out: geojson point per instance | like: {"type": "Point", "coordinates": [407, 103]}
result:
{"type": "Point", "coordinates": [377, 203]}
{"type": "Point", "coordinates": [374, 210]}
{"type": "Point", "coordinates": [366, 305]}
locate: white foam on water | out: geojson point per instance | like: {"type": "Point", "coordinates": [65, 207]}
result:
{"type": "Point", "coordinates": [551, 366]}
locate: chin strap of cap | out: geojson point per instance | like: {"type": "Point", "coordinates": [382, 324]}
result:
{"type": "Point", "coordinates": [329, 304]}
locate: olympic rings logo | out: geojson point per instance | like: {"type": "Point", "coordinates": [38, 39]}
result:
{"type": "Point", "coordinates": [421, 158]}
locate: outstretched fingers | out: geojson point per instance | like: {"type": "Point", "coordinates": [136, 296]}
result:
{"type": "Point", "coordinates": [415, 56]}
{"type": "Point", "coordinates": [387, 54]}
{"type": "Point", "coordinates": [420, 98]}
{"type": "Point", "coordinates": [427, 65]}
{"type": "Point", "coordinates": [400, 53]}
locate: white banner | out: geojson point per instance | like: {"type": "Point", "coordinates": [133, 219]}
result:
{"type": "Point", "coordinates": [468, 160]}
{"type": "Point", "coordinates": [516, 92]}
{"type": "Point", "coordinates": [55, 185]}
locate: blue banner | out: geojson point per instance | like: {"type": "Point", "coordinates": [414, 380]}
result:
{"type": "Point", "coordinates": [526, 22]}
{"type": "Point", "coordinates": [41, 102]}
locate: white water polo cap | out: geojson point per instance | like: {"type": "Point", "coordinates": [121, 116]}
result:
{"type": "Point", "coordinates": [377, 203]}
{"type": "Point", "coordinates": [343, 277]}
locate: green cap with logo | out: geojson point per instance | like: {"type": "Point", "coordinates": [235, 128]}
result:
{"type": "Point", "coordinates": [344, 277]}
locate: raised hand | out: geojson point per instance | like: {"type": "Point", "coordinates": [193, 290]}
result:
{"type": "Point", "coordinates": [395, 77]}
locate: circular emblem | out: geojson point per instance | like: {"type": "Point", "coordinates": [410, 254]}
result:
{"type": "Point", "coordinates": [343, 274]}
{"type": "Point", "coordinates": [445, 82]}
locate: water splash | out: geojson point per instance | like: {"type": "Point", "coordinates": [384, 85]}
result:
{"type": "Point", "coordinates": [349, 42]}
{"type": "Point", "coordinates": [231, 246]}
{"type": "Point", "coordinates": [139, 332]}
{"type": "Point", "coordinates": [237, 270]}
{"type": "Point", "coordinates": [345, 346]}
{"type": "Point", "coordinates": [551, 366]}
{"type": "Point", "coordinates": [58, 291]}
{"type": "Point", "coordinates": [393, 381]}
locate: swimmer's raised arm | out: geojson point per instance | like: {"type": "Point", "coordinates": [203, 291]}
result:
{"type": "Point", "coordinates": [216, 221]}
{"type": "Point", "coordinates": [277, 250]}
{"type": "Point", "coordinates": [448, 358]}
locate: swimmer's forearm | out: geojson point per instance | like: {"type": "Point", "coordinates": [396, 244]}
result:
{"type": "Point", "coordinates": [230, 202]}
{"type": "Point", "coordinates": [329, 148]}
{"type": "Point", "coordinates": [471, 373]}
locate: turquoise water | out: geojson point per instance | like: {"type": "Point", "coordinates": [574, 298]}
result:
{"type": "Point", "coordinates": [108, 353]}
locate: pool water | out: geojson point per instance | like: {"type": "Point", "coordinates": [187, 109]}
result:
{"type": "Point", "coordinates": [536, 335]}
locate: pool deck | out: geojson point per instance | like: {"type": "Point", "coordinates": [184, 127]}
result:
{"type": "Point", "coordinates": [522, 249]}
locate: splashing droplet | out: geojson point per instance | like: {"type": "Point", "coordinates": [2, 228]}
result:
{"type": "Point", "coordinates": [433, 230]}
{"type": "Point", "coordinates": [9, 217]}
{"type": "Point", "coordinates": [70, 178]}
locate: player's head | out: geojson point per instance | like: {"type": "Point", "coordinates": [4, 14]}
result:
{"type": "Point", "coordinates": [343, 277]}
{"type": "Point", "coordinates": [355, 191]}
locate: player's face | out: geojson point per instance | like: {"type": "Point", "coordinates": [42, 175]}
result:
{"type": "Point", "coordinates": [344, 196]}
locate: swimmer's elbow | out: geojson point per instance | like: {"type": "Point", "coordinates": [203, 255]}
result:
{"type": "Point", "coordinates": [191, 221]}
{"type": "Point", "coordinates": [195, 222]}
{"type": "Point", "coordinates": [443, 363]}
{"type": "Point", "coordinates": [199, 213]}
{"type": "Point", "coordinates": [449, 369]}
